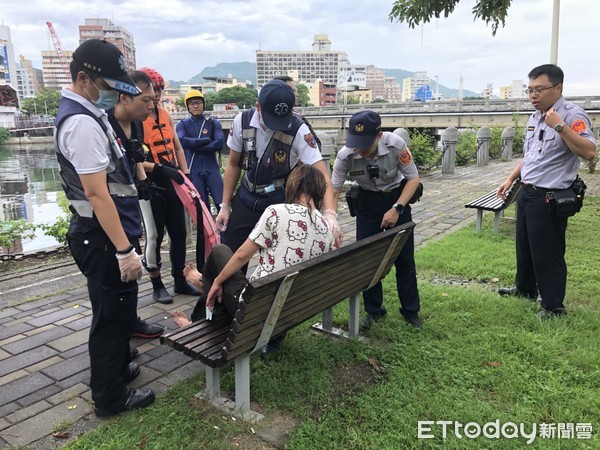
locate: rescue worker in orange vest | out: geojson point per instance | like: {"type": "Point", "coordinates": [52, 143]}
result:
{"type": "Point", "coordinates": [166, 156]}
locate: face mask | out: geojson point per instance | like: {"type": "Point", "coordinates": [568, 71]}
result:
{"type": "Point", "coordinates": [106, 99]}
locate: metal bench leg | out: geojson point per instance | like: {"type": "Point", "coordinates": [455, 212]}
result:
{"type": "Point", "coordinates": [353, 315]}
{"type": "Point", "coordinates": [479, 220]}
{"type": "Point", "coordinates": [497, 216]}
{"type": "Point", "coordinates": [213, 383]}
{"type": "Point", "coordinates": [242, 390]}
{"type": "Point", "coordinates": [327, 319]}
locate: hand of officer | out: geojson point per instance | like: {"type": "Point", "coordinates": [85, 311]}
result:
{"type": "Point", "coordinates": [552, 118]}
{"type": "Point", "coordinates": [330, 217]}
{"type": "Point", "coordinates": [201, 142]}
{"type": "Point", "coordinates": [223, 217]}
{"type": "Point", "coordinates": [130, 265]}
{"type": "Point", "coordinates": [389, 218]}
{"type": "Point", "coordinates": [171, 172]}
{"type": "Point", "coordinates": [503, 189]}
{"type": "Point", "coordinates": [144, 188]}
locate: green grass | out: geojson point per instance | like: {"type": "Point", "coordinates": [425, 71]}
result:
{"type": "Point", "coordinates": [480, 358]}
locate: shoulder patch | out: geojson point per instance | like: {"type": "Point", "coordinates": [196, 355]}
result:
{"type": "Point", "coordinates": [578, 126]}
{"type": "Point", "coordinates": [310, 140]}
{"type": "Point", "coordinates": [405, 157]}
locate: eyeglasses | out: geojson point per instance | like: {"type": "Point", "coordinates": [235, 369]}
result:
{"type": "Point", "coordinates": [195, 103]}
{"type": "Point", "coordinates": [538, 91]}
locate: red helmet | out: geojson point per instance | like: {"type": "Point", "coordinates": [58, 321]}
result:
{"type": "Point", "coordinates": [157, 80]}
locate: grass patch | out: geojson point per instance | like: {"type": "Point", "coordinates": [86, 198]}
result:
{"type": "Point", "coordinates": [480, 358]}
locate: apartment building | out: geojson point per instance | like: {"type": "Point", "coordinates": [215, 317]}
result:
{"type": "Point", "coordinates": [116, 34]}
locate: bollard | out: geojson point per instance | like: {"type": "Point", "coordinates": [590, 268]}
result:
{"type": "Point", "coordinates": [508, 137]}
{"type": "Point", "coordinates": [484, 136]}
{"type": "Point", "coordinates": [327, 148]}
{"type": "Point", "coordinates": [404, 135]}
{"type": "Point", "coordinates": [449, 141]}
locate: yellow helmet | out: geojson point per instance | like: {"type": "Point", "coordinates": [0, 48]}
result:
{"type": "Point", "coordinates": [192, 94]}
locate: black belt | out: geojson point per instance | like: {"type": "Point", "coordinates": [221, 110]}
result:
{"type": "Point", "coordinates": [532, 189]}
{"type": "Point", "coordinates": [381, 194]}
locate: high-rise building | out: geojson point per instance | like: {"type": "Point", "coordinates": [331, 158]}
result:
{"type": "Point", "coordinates": [411, 85]}
{"type": "Point", "coordinates": [115, 34]}
{"type": "Point", "coordinates": [515, 90]}
{"type": "Point", "coordinates": [319, 63]}
{"type": "Point", "coordinates": [55, 75]}
{"type": "Point", "coordinates": [30, 80]}
{"type": "Point", "coordinates": [8, 71]}
{"type": "Point", "coordinates": [393, 92]}
{"type": "Point", "coordinates": [376, 82]}
{"type": "Point", "coordinates": [488, 91]}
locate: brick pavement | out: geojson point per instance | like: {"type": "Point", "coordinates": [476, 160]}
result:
{"type": "Point", "coordinates": [44, 368]}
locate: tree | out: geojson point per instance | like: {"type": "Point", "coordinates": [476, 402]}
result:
{"type": "Point", "coordinates": [4, 134]}
{"type": "Point", "coordinates": [303, 98]}
{"type": "Point", "coordinates": [415, 12]}
{"type": "Point", "coordinates": [379, 100]}
{"type": "Point", "coordinates": [243, 97]}
{"type": "Point", "coordinates": [47, 99]}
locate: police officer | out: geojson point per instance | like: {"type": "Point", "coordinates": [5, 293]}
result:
{"type": "Point", "coordinates": [557, 135]}
{"type": "Point", "coordinates": [266, 142]}
{"type": "Point", "coordinates": [106, 223]}
{"type": "Point", "coordinates": [382, 166]}
{"type": "Point", "coordinates": [201, 137]}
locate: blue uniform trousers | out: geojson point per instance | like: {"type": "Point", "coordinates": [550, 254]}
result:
{"type": "Point", "coordinates": [540, 237]}
{"type": "Point", "coordinates": [368, 222]}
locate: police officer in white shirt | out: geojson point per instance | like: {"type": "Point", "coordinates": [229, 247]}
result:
{"type": "Point", "coordinates": [382, 166]}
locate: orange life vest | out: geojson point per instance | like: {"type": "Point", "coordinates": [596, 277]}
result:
{"type": "Point", "coordinates": [158, 136]}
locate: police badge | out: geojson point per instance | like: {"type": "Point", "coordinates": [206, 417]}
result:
{"type": "Point", "coordinates": [279, 156]}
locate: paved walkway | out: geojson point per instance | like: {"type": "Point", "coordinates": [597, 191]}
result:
{"type": "Point", "coordinates": [44, 363]}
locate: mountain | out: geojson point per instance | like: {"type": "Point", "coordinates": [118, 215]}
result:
{"type": "Point", "coordinates": [243, 71]}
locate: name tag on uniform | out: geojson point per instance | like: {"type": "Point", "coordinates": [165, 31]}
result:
{"type": "Point", "coordinates": [357, 173]}
{"type": "Point", "coordinates": [530, 128]}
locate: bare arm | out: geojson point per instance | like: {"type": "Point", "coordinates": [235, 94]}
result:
{"type": "Point", "coordinates": [104, 208]}
{"type": "Point", "coordinates": [328, 202]}
{"type": "Point", "coordinates": [232, 176]}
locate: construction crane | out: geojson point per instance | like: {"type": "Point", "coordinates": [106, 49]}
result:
{"type": "Point", "coordinates": [62, 57]}
{"type": "Point", "coordinates": [26, 64]}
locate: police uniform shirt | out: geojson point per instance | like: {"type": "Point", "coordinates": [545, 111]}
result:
{"type": "Point", "coordinates": [393, 159]}
{"type": "Point", "coordinates": [304, 147]}
{"type": "Point", "coordinates": [548, 162]}
{"type": "Point", "coordinates": [82, 141]}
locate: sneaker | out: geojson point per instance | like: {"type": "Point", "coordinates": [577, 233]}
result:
{"type": "Point", "coordinates": [133, 352]}
{"type": "Point", "coordinates": [135, 399]}
{"type": "Point", "coordinates": [133, 370]}
{"type": "Point", "coordinates": [162, 296]}
{"type": "Point", "coordinates": [514, 292]}
{"type": "Point", "coordinates": [367, 322]}
{"type": "Point", "coordinates": [183, 287]}
{"type": "Point", "coordinates": [144, 330]}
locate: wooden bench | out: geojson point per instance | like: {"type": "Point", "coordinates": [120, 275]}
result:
{"type": "Point", "coordinates": [491, 202]}
{"type": "Point", "coordinates": [278, 302]}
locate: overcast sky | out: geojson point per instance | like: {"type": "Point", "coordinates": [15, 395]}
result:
{"type": "Point", "coordinates": [180, 38]}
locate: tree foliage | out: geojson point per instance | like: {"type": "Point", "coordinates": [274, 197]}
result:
{"type": "Point", "coordinates": [4, 134]}
{"type": "Point", "coordinates": [422, 147]}
{"type": "Point", "coordinates": [47, 98]}
{"type": "Point", "coordinates": [241, 96]}
{"type": "Point", "coordinates": [303, 98]}
{"type": "Point", "coordinates": [416, 12]}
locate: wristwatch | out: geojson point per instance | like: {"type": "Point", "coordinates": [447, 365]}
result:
{"type": "Point", "coordinates": [398, 207]}
{"type": "Point", "coordinates": [559, 127]}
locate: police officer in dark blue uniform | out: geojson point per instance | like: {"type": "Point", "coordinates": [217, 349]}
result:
{"type": "Point", "coordinates": [106, 223]}
{"type": "Point", "coordinates": [386, 176]}
{"type": "Point", "coordinates": [557, 135]}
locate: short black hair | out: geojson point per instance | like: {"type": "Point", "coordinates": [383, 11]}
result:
{"type": "Point", "coordinates": [75, 68]}
{"type": "Point", "coordinates": [555, 73]}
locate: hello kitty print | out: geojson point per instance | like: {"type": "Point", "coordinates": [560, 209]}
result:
{"type": "Point", "coordinates": [288, 234]}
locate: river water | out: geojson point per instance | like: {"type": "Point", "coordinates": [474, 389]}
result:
{"type": "Point", "coordinates": [29, 185]}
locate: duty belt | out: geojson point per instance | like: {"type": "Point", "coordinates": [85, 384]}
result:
{"type": "Point", "coordinates": [264, 188]}
{"type": "Point", "coordinates": [532, 189]}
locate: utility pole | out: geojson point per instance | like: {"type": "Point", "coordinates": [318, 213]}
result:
{"type": "Point", "coordinates": [554, 45]}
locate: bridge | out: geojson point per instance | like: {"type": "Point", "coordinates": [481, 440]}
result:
{"type": "Point", "coordinates": [435, 115]}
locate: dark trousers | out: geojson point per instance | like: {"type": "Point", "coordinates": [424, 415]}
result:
{"type": "Point", "coordinates": [167, 211]}
{"type": "Point", "coordinates": [114, 313]}
{"type": "Point", "coordinates": [541, 265]}
{"type": "Point", "coordinates": [217, 259]}
{"type": "Point", "coordinates": [207, 183]}
{"type": "Point", "coordinates": [368, 223]}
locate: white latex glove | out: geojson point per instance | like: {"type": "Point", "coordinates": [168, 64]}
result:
{"type": "Point", "coordinates": [330, 217]}
{"type": "Point", "coordinates": [130, 266]}
{"type": "Point", "coordinates": [223, 217]}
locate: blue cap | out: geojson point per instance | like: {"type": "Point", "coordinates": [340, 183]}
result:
{"type": "Point", "coordinates": [276, 100]}
{"type": "Point", "coordinates": [364, 127]}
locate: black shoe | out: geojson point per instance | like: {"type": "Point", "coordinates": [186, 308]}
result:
{"type": "Point", "coordinates": [145, 330]}
{"type": "Point", "coordinates": [271, 346]}
{"type": "Point", "coordinates": [133, 352]}
{"type": "Point", "coordinates": [365, 324]}
{"type": "Point", "coordinates": [136, 398]}
{"type": "Point", "coordinates": [514, 292]}
{"type": "Point", "coordinates": [162, 296]}
{"type": "Point", "coordinates": [133, 370]}
{"type": "Point", "coordinates": [413, 320]}
{"type": "Point", "coordinates": [545, 314]}
{"type": "Point", "coordinates": [183, 287]}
